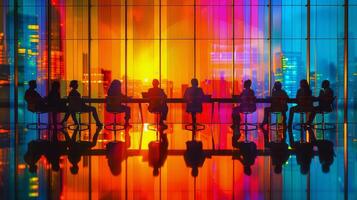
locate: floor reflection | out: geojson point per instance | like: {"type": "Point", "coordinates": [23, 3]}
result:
{"type": "Point", "coordinates": [139, 163]}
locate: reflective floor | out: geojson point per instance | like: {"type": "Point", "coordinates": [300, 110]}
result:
{"type": "Point", "coordinates": [93, 164]}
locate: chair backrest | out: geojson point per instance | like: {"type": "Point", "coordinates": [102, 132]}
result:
{"type": "Point", "coordinates": [113, 102]}
{"type": "Point", "coordinates": [305, 101]}
{"type": "Point", "coordinates": [248, 104]}
{"type": "Point", "coordinates": [327, 103]}
{"type": "Point", "coordinates": [156, 103]}
{"type": "Point", "coordinates": [74, 104]}
{"type": "Point", "coordinates": [279, 103]}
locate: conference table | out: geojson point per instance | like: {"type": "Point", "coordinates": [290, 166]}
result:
{"type": "Point", "coordinates": [212, 101]}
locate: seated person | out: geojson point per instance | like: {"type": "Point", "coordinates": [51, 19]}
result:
{"type": "Point", "coordinates": [54, 102]}
{"type": "Point", "coordinates": [246, 105]}
{"type": "Point", "coordinates": [325, 100]}
{"type": "Point", "coordinates": [280, 95]}
{"type": "Point", "coordinates": [157, 98]}
{"type": "Point", "coordinates": [304, 99]}
{"type": "Point", "coordinates": [114, 91]}
{"type": "Point", "coordinates": [194, 96]}
{"type": "Point", "coordinates": [34, 100]}
{"type": "Point", "coordinates": [83, 107]}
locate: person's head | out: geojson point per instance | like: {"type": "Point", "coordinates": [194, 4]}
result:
{"type": "Point", "coordinates": [32, 84]}
{"type": "Point", "coordinates": [277, 86]}
{"type": "Point", "coordinates": [74, 169]}
{"type": "Point", "coordinates": [247, 84]}
{"type": "Point", "coordinates": [55, 86]}
{"type": "Point", "coordinates": [325, 84]}
{"type": "Point", "coordinates": [194, 82]}
{"type": "Point", "coordinates": [155, 83]}
{"type": "Point", "coordinates": [194, 172]}
{"type": "Point", "coordinates": [115, 85]}
{"type": "Point", "coordinates": [304, 84]}
{"type": "Point", "coordinates": [73, 84]}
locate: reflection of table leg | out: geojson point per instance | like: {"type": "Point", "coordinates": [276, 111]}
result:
{"type": "Point", "coordinates": [141, 114]}
{"type": "Point", "coordinates": [211, 125]}
{"type": "Point", "coordinates": [212, 112]}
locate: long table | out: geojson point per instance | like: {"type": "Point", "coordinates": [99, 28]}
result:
{"type": "Point", "coordinates": [212, 101]}
{"type": "Point", "coordinates": [182, 100]}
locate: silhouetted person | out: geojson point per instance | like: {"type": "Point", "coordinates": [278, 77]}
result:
{"type": "Point", "coordinates": [194, 97]}
{"type": "Point", "coordinates": [304, 101]}
{"type": "Point", "coordinates": [114, 92]}
{"type": "Point", "coordinates": [194, 156]}
{"type": "Point", "coordinates": [279, 103]}
{"type": "Point", "coordinates": [74, 94]}
{"type": "Point", "coordinates": [279, 153]}
{"type": "Point", "coordinates": [158, 153]}
{"type": "Point", "coordinates": [325, 100]}
{"type": "Point", "coordinates": [55, 104]}
{"type": "Point", "coordinates": [78, 147]}
{"type": "Point", "coordinates": [305, 104]}
{"type": "Point", "coordinates": [247, 154]}
{"type": "Point", "coordinates": [247, 105]}
{"type": "Point", "coordinates": [304, 155]}
{"type": "Point", "coordinates": [157, 103]}
{"type": "Point", "coordinates": [326, 154]}
{"type": "Point", "coordinates": [34, 100]}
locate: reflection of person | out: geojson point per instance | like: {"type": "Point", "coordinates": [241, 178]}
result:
{"type": "Point", "coordinates": [279, 153]}
{"type": "Point", "coordinates": [83, 107]}
{"type": "Point", "coordinates": [194, 96]}
{"type": "Point", "coordinates": [157, 103]}
{"type": "Point", "coordinates": [116, 153]}
{"type": "Point", "coordinates": [325, 100]}
{"type": "Point", "coordinates": [52, 150]}
{"type": "Point", "coordinates": [326, 154]}
{"type": "Point", "coordinates": [194, 156]}
{"type": "Point", "coordinates": [35, 149]}
{"type": "Point", "coordinates": [304, 155]}
{"type": "Point", "coordinates": [34, 99]}
{"type": "Point", "coordinates": [158, 153]}
{"type": "Point", "coordinates": [77, 148]}
{"type": "Point", "coordinates": [247, 154]}
{"type": "Point", "coordinates": [114, 91]}
{"type": "Point", "coordinates": [277, 93]}
{"type": "Point", "coordinates": [55, 150]}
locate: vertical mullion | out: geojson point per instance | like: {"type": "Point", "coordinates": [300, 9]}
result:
{"type": "Point", "coordinates": [16, 64]}
{"type": "Point", "coordinates": [16, 68]}
{"type": "Point", "coordinates": [126, 47]}
{"type": "Point", "coordinates": [49, 24]}
{"type": "Point", "coordinates": [194, 39]}
{"type": "Point", "coordinates": [233, 49]}
{"type": "Point", "coordinates": [89, 49]}
{"type": "Point", "coordinates": [159, 41]}
{"type": "Point", "coordinates": [308, 42]}
{"type": "Point", "coordinates": [345, 100]}
{"type": "Point", "coordinates": [270, 46]}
